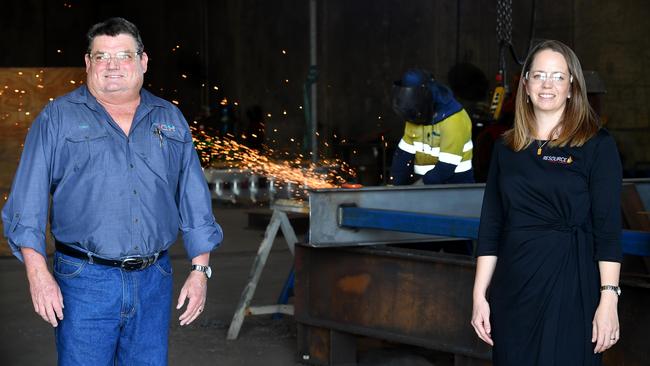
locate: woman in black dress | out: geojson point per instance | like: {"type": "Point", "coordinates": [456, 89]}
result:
{"type": "Point", "coordinates": [549, 240]}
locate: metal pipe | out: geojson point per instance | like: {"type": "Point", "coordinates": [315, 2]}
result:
{"type": "Point", "coordinates": [313, 61]}
{"type": "Point", "coordinates": [205, 50]}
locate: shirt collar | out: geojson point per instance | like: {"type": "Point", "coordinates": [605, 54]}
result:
{"type": "Point", "coordinates": [83, 96]}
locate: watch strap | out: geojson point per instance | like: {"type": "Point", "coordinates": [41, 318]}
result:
{"type": "Point", "coordinates": [616, 289]}
{"type": "Point", "coordinates": [205, 269]}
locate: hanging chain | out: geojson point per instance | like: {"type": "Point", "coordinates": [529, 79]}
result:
{"type": "Point", "coordinates": [504, 21]}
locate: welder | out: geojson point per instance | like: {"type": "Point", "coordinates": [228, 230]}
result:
{"type": "Point", "coordinates": [437, 144]}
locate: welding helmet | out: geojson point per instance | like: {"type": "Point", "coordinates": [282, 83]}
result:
{"type": "Point", "coordinates": [411, 97]}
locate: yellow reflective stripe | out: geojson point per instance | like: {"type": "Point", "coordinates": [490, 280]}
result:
{"type": "Point", "coordinates": [463, 166]}
{"type": "Point", "coordinates": [468, 146]}
{"type": "Point", "coordinates": [406, 147]}
{"type": "Point", "coordinates": [450, 158]}
{"type": "Point", "coordinates": [422, 169]}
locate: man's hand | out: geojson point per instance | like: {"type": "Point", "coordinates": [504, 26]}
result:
{"type": "Point", "coordinates": [195, 289]}
{"type": "Point", "coordinates": [46, 294]}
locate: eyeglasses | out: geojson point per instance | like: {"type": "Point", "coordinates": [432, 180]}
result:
{"type": "Point", "coordinates": [123, 57]}
{"type": "Point", "coordinates": [539, 77]}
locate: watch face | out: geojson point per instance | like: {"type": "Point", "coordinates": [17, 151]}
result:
{"type": "Point", "coordinates": [208, 271]}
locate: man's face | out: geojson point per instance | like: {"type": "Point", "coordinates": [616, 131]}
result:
{"type": "Point", "coordinates": [120, 75]}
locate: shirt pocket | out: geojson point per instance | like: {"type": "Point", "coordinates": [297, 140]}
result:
{"type": "Point", "coordinates": [87, 151]}
{"type": "Point", "coordinates": [167, 147]}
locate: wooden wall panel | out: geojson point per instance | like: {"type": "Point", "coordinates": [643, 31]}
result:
{"type": "Point", "coordinates": [23, 93]}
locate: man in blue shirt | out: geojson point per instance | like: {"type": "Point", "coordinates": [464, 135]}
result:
{"type": "Point", "coordinates": [120, 168]}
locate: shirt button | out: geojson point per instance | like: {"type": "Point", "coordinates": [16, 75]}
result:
{"type": "Point", "coordinates": [131, 165]}
{"type": "Point", "coordinates": [135, 220]}
{"type": "Point", "coordinates": [135, 192]}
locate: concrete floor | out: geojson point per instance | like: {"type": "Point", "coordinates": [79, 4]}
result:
{"type": "Point", "coordinates": [25, 339]}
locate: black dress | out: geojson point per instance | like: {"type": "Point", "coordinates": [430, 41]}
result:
{"type": "Point", "coordinates": [549, 219]}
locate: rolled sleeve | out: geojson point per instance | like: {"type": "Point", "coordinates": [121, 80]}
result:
{"type": "Point", "coordinates": [25, 213]}
{"type": "Point", "coordinates": [202, 239]}
{"type": "Point", "coordinates": [201, 233]}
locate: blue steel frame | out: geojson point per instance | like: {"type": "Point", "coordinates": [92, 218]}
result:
{"type": "Point", "coordinates": [633, 242]}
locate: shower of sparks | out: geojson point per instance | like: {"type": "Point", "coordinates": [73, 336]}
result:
{"type": "Point", "coordinates": [226, 151]}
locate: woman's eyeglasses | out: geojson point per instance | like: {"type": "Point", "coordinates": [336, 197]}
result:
{"type": "Point", "coordinates": [539, 77]}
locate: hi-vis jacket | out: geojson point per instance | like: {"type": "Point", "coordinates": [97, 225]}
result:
{"type": "Point", "coordinates": [439, 153]}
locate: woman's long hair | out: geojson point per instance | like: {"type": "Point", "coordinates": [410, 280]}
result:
{"type": "Point", "coordinates": [578, 122]}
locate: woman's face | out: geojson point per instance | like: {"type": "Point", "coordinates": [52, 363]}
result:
{"type": "Point", "coordinates": [548, 83]}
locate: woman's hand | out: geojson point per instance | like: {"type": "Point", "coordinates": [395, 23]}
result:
{"type": "Point", "coordinates": [606, 331]}
{"type": "Point", "coordinates": [481, 320]}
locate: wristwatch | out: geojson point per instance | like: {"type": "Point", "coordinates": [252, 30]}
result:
{"type": "Point", "coordinates": [205, 269]}
{"type": "Point", "coordinates": [616, 289]}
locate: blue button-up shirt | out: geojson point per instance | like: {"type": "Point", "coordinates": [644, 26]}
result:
{"type": "Point", "coordinates": [112, 194]}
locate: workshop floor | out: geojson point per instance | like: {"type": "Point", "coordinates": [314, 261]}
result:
{"type": "Point", "coordinates": [27, 340]}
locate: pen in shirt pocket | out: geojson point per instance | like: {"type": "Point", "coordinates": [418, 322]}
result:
{"type": "Point", "coordinates": [160, 135]}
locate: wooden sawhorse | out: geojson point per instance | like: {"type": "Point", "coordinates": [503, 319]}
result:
{"type": "Point", "coordinates": [279, 221]}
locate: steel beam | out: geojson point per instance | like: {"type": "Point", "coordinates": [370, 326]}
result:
{"type": "Point", "coordinates": [633, 242]}
{"type": "Point", "coordinates": [419, 298]}
{"type": "Point", "coordinates": [409, 222]}
{"type": "Point", "coordinates": [411, 297]}
{"type": "Point", "coordinates": [460, 200]}
{"type": "Point", "coordinates": [324, 230]}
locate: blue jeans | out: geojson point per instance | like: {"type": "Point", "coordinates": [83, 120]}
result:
{"type": "Point", "coordinates": [112, 316]}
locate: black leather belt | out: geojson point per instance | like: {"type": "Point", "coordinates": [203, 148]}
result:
{"type": "Point", "coordinates": [128, 263]}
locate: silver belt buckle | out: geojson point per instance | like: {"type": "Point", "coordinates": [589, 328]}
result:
{"type": "Point", "coordinates": [138, 263]}
{"type": "Point", "coordinates": [130, 263]}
